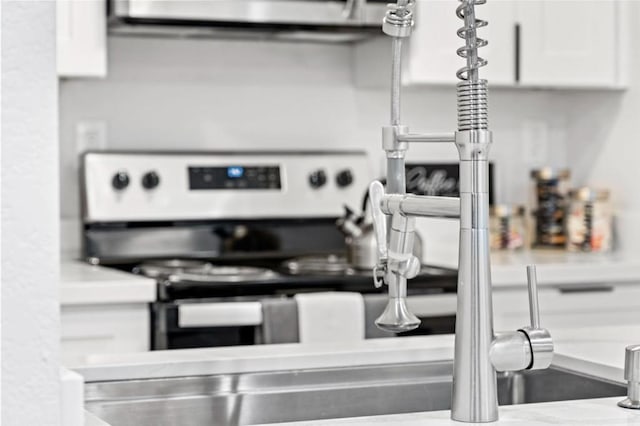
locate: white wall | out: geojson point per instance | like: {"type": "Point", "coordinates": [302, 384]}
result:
{"type": "Point", "coordinates": [30, 223]}
{"type": "Point", "coordinates": [202, 94]}
{"type": "Point", "coordinates": [182, 94]}
{"type": "Point", "coordinates": [603, 143]}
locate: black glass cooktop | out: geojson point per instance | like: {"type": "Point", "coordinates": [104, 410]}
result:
{"type": "Point", "coordinates": [282, 280]}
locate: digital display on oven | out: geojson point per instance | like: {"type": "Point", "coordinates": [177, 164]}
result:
{"type": "Point", "coordinates": [235, 172]}
{"type": "Point", "coordinates": [265, 177]}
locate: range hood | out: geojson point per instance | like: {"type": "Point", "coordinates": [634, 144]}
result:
{"type": "Point", "coordinates": [306, 20]}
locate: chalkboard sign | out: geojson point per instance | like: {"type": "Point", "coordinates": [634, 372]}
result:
{"type": "Point", "coordinates": [442, 179]}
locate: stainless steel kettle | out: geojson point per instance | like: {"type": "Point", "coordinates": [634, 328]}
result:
{"type": "Point", "coordinates": [362, 251]}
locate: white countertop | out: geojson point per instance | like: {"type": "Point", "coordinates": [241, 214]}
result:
{"type": "Point", "coordinates": [596, 351]}
{"type": "Point", "coordinates": [237, 359]}
{"type": "Point", "coordinates": [92, 420]}
{"type": "Point", "coordinates": [84, 284]}
{"type": "Point", "coordinates": [590, 412]}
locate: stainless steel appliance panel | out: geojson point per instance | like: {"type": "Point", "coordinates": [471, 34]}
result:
{"type": "Point", "coordinates": [308, 20]}
{"type": "Point", "coordinates": [118, 187]}
{"type": "Point", "coordinates": [319, 12]}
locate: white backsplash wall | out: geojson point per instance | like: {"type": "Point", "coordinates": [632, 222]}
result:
{"type": "Point", "coordinates": [604, 143]}
{"type": "Point", "coordinates": [233, 95]}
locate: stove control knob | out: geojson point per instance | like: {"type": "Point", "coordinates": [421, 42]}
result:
{"type": "Point", "coordinates": [317, 179]}
{"type": "Point", "coordinates": [150, 180]}
{"type": "Point", "coordinates": [344, 178]}
{"type": "Point", "coordinates": [120, 180]}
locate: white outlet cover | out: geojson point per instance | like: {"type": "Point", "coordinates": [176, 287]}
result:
{"type": "Point", "coordinates": [91, 136]}
{"type": "Point", "coordinates": [535, 138]}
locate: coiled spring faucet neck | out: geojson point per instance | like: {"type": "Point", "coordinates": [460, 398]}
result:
{"type": "Point", "coordinates": [472, 92]}
{"type": "Point", "coordinates": [466, 12]}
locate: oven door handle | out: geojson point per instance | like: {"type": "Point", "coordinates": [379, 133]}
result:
{"type": "Point", "coordinates": [219, 314]}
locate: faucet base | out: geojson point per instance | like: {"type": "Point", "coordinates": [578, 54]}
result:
{"type": "Point", "coordinates": [629, 403]}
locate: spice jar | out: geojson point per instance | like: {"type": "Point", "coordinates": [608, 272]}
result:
{"type": "Point", "coordinates": [549, 197]}
{"type": "Point", "coordinates": [507, 229]}
{"type": "Point", "coordinates": [590, 221]}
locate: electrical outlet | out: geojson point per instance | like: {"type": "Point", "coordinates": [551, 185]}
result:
{"type": "Point", "coordinates": [535, 141]}
{"type": "Point", "coordinates": [91, 136]}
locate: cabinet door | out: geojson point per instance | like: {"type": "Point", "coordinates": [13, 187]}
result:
{"type": "Point", "coordinates": [611, 304]}
{"type": "Point", "coordinates": [103, 329]}
{"type": "Point", "coordinates": [432, 54]}
{"type": "Point", "coordinates": [81, 38]}
{"type": "Point", "coordinates": [568, 42]}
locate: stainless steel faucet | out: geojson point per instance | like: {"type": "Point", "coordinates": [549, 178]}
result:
{"type": "Point", "coordinates": [479, 352]}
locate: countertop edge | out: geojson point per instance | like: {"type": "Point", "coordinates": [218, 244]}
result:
{"type": "Point", "coordinates": [85, 284]}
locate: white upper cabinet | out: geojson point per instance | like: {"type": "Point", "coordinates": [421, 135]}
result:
{"type": "Point", "coordinates": [432, 57]}
{"type": "Point", "coordinates": [532, 43]}
{"type": "Point", "coordinates": [81, 38]}
{"type": "Point", "coordinates": [500, 34]}
{"type": "Point", "coordinates": [571, 43]}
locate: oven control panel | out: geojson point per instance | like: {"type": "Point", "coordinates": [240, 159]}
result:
{"type": "Point", "coordinates": [148, 186]}
{"type": "Point", "coordinates": [235, 177]}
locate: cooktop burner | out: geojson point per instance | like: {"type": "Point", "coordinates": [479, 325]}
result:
{"type": "Point", "coordinates": [223, 274]}
{"type": "Point", "coordinates": [181, 270]}
{"type": "Point", "coordinates": [331, 264]}
{"type": "Point", "coordinates": [165, 268]}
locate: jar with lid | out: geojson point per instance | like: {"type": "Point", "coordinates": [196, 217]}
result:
{"type": "Point", "coordinates": [549, 199]}
{"type": "Point", "coordinates": [507, 228]}
{"type": "Point", "coordinates": [590, 221]}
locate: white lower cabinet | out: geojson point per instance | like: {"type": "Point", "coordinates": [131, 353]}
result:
{"type": "Point", "coordinates": [103, 329]}
{"type": "Point", "coordinates": [569, 307]}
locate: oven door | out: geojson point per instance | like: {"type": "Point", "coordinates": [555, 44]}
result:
{"type": "Point", "coordinates": [437, 313]}
{"type": "Point", "coordinates": [238, 321]}
{"type": "Point", "coordinates": [206, 323]}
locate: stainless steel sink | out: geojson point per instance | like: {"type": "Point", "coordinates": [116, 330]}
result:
{"type": "Point", "coordinates": [254, 398]}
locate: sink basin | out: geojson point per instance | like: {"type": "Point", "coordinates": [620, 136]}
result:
{"type": "Point", "coordinates": [297, 395]}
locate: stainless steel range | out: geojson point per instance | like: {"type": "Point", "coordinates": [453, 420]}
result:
{"type": "Point", "coordinates": [221, 232]}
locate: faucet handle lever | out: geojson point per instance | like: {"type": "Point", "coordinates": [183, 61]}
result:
{"type": "Point", "coordinates": [540, 340]}
{"type": "Point", "coordinates": [532, 284]}
{"type": "Point", "coordinates": [376, 193]}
